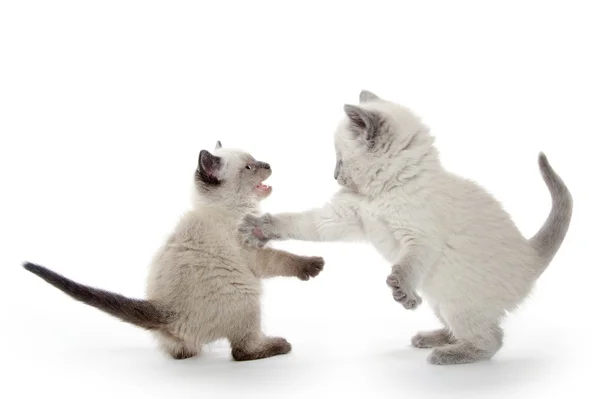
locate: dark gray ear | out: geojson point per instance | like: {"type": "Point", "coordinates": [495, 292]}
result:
{"type": "Point", "coordinates": [218, 145]}
{"type": "Point", "coordinates": [363, 122]}
{"type": "Point", "coordinates": [208, 166]}
{"type": "Point", "coordinates": [366, 96]}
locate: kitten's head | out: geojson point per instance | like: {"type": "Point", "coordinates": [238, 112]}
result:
{"type": "Point", "coordinates": [231, 176]}
{"type": "Point", "coordinates": [375, 142]}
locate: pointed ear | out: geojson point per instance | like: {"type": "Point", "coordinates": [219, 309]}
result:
{"type": "Point", "coordinates": [218, 145]}
{"type": "Point", "coordinates": [364, 123]}
{"type": "Point", "coordinates": [366, 96]}
{"type": "Point", "coordinates": [208, 168]}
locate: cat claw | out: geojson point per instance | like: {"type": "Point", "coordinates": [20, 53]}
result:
{"type": "Point", "coordinates": [407, 297]}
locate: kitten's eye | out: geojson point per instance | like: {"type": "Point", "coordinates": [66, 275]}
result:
{"type": "Point", "coordinates": [248, 167]}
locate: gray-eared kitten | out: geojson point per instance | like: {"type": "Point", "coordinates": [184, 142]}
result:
{"type": "Point", "coordinates": [204, 284]}
{"type": "Point", "coordinates": [442, 234]}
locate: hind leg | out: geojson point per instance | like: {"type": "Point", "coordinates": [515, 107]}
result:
{"type": "Point", "coordinates": [432, 339]}
{"type": "Point", "coordinates": [248, 342]}
{"type": "Point", "coordinates": [477, 337]}
{"type": "Point", "coordinates": [435, 338]}
{"type": "Point", "coordinates": [176, 347]}
{"type": "Point", "coordinates": [180, 352]}
{"type": "Point", "coordinates": [258, 346]}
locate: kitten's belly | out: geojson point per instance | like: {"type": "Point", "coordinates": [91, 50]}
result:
{"type": "Point", "coordinates": [199, 274]}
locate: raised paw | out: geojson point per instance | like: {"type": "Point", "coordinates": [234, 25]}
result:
{"type": "Point", "coordinates": [310, 267]}
{"type": "Point", "coordinates": [256, 230]}
{"type": "Point", "coordinates": [405, 295]}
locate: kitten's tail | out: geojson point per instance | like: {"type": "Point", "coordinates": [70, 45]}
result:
{"type": "Point", "coordinates": [140, 312]}
{"type": "Point", "coordinates": [549, 238]}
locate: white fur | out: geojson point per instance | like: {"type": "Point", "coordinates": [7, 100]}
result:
{"type": "Point", "coordinates": [444, 235]}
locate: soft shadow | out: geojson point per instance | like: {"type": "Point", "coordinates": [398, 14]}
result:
{"type": "Point", "coordinates": [215, 368]}
{"type": "Point", "coordinates": [409, 367]}
{"type": "Point", "coordinates": [402, 370]}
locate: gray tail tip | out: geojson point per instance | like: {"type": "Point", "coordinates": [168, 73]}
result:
{"type": "Point", "coordinates": [543, 160]}
{"type": "Point", "coordinates": [30, 266]}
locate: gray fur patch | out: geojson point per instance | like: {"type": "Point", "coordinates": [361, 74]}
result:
{"type": "Point", "coordinates": [549, 238]}
{"type": "Point", "coordinates": [366, 96]}
{"type": "Point", "coordinates": [364, 123]}
{"type": "Point", "coordinates": [208, 165]}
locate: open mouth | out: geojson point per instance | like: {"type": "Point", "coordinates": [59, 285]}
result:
{"type": "Point", "coordinates": [263, 187]}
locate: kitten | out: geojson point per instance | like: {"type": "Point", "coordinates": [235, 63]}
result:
{"type": "Point", "coordinates": [444, 235]}
{"type": "Point", "coordinates": [204, 284]}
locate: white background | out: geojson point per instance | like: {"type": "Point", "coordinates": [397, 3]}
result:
{"type": "Point", "coordinates": [104, 107]}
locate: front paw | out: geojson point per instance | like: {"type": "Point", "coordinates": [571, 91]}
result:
{"type": "Point", "coordinates": [310, 267]}
{"type": "Point", "coordinates": [257, 230]}
{"type": "Point", "coordinates": [403, 293]}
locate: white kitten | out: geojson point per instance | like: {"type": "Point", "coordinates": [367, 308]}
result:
{"type": "Point", "coordinates": [444, 235]}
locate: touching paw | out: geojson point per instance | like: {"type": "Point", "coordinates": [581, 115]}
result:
{"type": "Point", "coordinates": [257, 230]}
{"type": "Point", "coordinates": [403, 294]}
{"type": "Point", "coordinates": [310, 267]}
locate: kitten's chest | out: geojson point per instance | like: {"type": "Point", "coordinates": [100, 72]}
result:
{"type": "Point", "coordinates": [378, 231]}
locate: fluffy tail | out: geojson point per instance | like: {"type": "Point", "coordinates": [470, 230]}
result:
{"type": "Point", "coordinates": [549, 238]}
{"type": "Point", "coordinates": [142, 313]}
